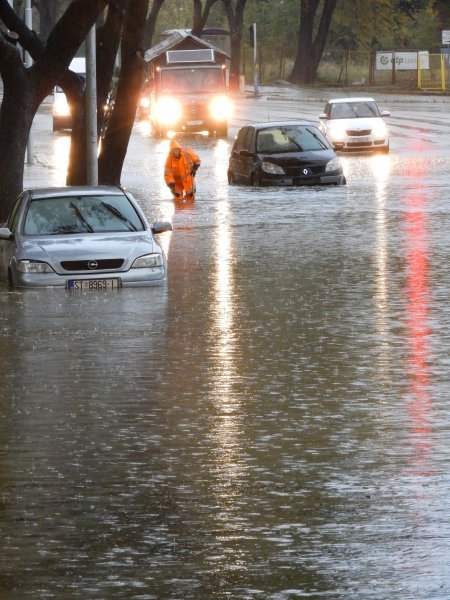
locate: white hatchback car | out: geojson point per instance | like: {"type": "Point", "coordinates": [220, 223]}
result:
{"type": "Point", "coordinates": [355, 125]}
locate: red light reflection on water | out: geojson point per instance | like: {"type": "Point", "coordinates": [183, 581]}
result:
{"type": "Point", "coordinates": [418, 295]}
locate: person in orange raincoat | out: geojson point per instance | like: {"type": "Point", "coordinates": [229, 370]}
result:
{"type": "Point", "coordinates": [179, 171]}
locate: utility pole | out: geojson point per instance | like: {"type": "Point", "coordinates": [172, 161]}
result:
{"type": "Point", "coordinates": [255, 61]}
{"type": "Point", "coordinates": [28, 63]}
{"type": "Point", "coordinates": [91, 109]}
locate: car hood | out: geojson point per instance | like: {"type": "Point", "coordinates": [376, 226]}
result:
{"type": "Point", "coordinates": [94, 246]}
{"type": "Point", "coordinates": [295, 158]}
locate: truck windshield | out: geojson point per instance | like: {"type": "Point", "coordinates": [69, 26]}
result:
{"type": "Point", "coordinates": [186, 81]}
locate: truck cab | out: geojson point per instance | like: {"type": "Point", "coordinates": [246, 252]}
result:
{"type": "Point", "coordinates": [188, 92]}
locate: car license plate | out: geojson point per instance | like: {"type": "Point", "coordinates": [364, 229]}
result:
{"type": "Point", "coordinates": [194, 122]}
{"type": "Point", "coordinates": [359, 140]}
{"type": "Point", "coordinates": [94, 284]}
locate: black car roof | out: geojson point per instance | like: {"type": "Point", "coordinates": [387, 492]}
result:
{"type": "Point", "coordinates": [259, 126]}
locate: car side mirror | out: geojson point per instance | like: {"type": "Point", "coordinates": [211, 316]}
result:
{"type": "Point", "coordinates": [385, 113]}
{"type": "Point", "coordinates": [6, 234]}
{"type": "Point", "coordinates": [246, 153]}
{"type": "Point", "coordinates": [161, 227]}
{"type": "Point", "coordinates": [323, 116]}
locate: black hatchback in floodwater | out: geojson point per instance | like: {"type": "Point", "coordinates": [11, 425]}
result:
{"type": "Point", "coordinates": [283, 153]}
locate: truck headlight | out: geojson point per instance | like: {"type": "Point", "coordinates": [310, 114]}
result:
{"type": "Point", "coordinates": [148, 261]}
{"type": "Point", "coordinates": [167, 111]}
{"type": "Point", "coordinates": [221, 108]}
{"type": "Point", "coordinates": [33, 266]}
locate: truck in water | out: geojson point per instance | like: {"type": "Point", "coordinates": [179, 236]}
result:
{"type": "Point", "coordinates": [187, 87]}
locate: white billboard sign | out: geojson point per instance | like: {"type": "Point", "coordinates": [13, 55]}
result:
{"type": "Point", "coordinates": [404, 61]}
{"type": "Point", "coordinates": [445, 36]}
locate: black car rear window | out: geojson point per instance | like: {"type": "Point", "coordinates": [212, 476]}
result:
{"type": "Point", "coordinates": [291, 138]}
{"type": "Point", "coordinates": [81, 214]}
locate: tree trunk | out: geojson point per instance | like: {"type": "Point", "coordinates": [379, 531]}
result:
{"type": "Point", "coordinates": [151, 23]}
{"type": "Point", "coordinates": [117, 135]}
{"type": "Point", "coordinates": [201, 16]}
{"type": "Point", "coordinates": [25, 89]}
{"type": "Point", "coordinates": [17, 99]}
{"type": "Point", "coordinates": [310, 48]}
{"type": "Point", "coordinates": [235, 21]}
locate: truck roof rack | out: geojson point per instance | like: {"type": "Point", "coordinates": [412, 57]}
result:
{"type": "Point", "coordinates": [204, 55]}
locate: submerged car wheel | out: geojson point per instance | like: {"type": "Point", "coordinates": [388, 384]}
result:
{"type": "Point", "coordinates": [255, 180]}
{"type": "Point", "coordinates": [222, 131]}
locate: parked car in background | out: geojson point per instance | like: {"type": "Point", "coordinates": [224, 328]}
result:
{"type": "Point", "coordinates": [61, 111]}
{"type": "Point", "coordinates": [80, 238]}
{"type": "Point", "coordinates": [355, 125]}
{"type": "Point", "coordinates": [283, 153]}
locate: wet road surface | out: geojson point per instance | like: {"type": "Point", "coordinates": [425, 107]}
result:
{"type": "Point", "coordinates": [273, 423]}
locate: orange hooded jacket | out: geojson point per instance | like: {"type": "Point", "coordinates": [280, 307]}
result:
{"type": "Point", "coordinates": [180, 171]}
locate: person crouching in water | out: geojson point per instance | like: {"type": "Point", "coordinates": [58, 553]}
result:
{"type": "Point", "coordinates": [179, 171]}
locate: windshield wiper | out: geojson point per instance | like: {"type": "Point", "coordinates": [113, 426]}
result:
{"type": "Point", "coordinates": [81, 217]}
{"type": "Point", "coordinates": [116, 212]}
{"type": "Point", "coordinates": [317, 138]}
{"type": "Point", "coordinates": [288, 137]}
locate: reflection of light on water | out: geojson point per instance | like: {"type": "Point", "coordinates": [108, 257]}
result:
{"type": "Point", "coordinates": [380, 169]}
{"type": "Point", "coordinates": [381, 166]}
{"type": "Point", "coordinates": [144, 128]}
{"type": "Point", "coordinates": [418, 294]}
{"type": "Point", "coordinates": [60, 158]}
{"type": "Point", "coordinates": [227, 425]}
{"type": "Point", "coordinates": [221, 157]}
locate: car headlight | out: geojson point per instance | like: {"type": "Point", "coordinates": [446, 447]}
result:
{"type": "Point", "coordinates": [269, 167]}
{"type": "Point", "coordinates": [221, 108]}
{"type": "Point", "coordinates": [333, 165]}
{"type": "Point", "coordinates": [148, 261]}
{"type": "Point", "coordinates": [337, 132]}
{"type": "Point", "coordinates": [34, 266]}
{"type": "Point", "coordinates": [144, 102]}
{"type": "Point", "coordinates": [379, 130]}
{"type": "Point", "coordinates": [61, 107]}
{"type": "Point", "coordinates": [167, 111]}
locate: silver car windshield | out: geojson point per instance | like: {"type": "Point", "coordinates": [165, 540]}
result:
{"type": "Point", "coordinates": [292, 138]}
{"type": "Point", "coordinates": [64, 215]}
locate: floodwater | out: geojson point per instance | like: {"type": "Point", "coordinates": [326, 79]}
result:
{"type": "Point", "coordinates": [271, 424]}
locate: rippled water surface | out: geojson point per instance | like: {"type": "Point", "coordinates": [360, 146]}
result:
{"type": "Point", "coordinates": [272, 424]}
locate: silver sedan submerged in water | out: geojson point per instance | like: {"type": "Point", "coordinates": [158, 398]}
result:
{"type": "Point", "coordinates": [80, 238]}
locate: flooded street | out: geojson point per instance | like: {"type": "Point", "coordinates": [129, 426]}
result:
{"type": "Point", "coordinates": [271, 424]}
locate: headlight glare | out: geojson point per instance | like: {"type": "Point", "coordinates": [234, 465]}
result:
{"type": "Point", "coordinates": [61, 107]}
{"type": "Point", "coordinates": [167, 111]}
{"type": "Point", "coordinates": [33, 266]}
{"type": "Point", "coordinates": [148, 261]}
{"type": "Point", "coordinates": [269, 167]}
{"type": "Point", "coordinates": [337, 132]}
{"type": "Point", "coordinates": [221, 108]}
{"type": "Point", "coordinates": [379, 129]}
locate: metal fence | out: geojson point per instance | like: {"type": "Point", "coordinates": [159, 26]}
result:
{"type": "Point", "coordinates": [409, 70]}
